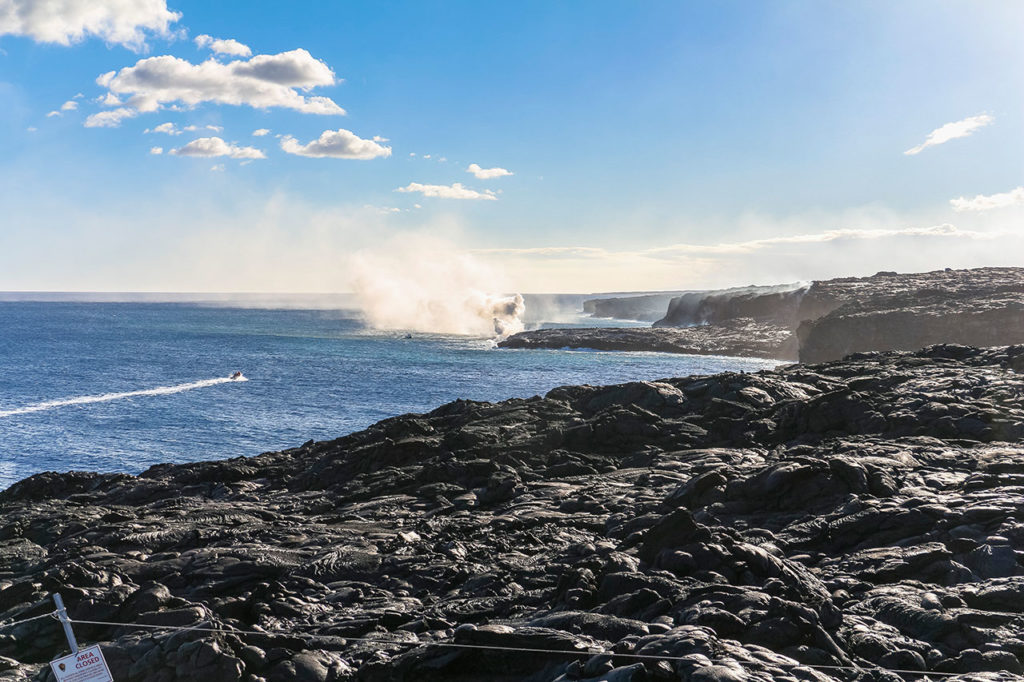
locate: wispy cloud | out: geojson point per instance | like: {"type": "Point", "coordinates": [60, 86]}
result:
{"type": "Point", "coordinates": [70, 105]}
{"type": "Point", "coordinates": [156, 150]}
{"type": "Point", "coordinates": [952, 131]}
{"type": "Point", "coordinates": [943, 230]}
{"type": "Point", "coordinates": [568, 252]}
{"type": "Point", "coordinates": [125, 22]}
{"type": "Point", "coordinates": [215, 146]}
{"type": "Point", "coordinates": [337, 144]}
{"type": "Point", "coordinates": [453, 191]}
{"type": "Point", "coordinates": [487, 173]}
{"type": "Point", "coordinates": [110, 119]}
{"type": "Point", "coordinates": [278, 80]}
{"type": "Point", "coordinates": [780, 256]}
{"type": "Point", "coordinates": [384, 210]}
{"type": "Point", "coordinates": [260, 132]}
{"type": "Point", "coordinates": [165, 128]}
{"type": "Point", "coordinates": [226, 46]}
{"type": "Point", "coordinates": [675, 251]}
{"type": "Point", "coordinates": [169, 128]}
{"type": "Point", "coordinates": [982, 202]}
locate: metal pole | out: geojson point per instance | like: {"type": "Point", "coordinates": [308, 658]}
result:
{"type": "Point", "coordinates": [66, 622]}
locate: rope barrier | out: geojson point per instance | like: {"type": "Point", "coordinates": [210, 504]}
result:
{"type": "Point", "coordinates": [51, 614]}
{"type": "Point", "coordinates": [490, 647]}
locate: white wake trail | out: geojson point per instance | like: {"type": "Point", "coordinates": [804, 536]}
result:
{"type": "Point", "coordinates": [107, 397]}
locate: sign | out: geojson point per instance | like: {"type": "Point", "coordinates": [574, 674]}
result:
{"type": "Point", "coordinates": [85, 666]}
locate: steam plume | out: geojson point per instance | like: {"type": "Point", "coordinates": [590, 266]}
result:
{"type": "Point", "coordinates": [425, 284]}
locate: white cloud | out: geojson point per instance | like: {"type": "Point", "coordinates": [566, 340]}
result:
{"type": "Point", "coordinates": [984, 202]}
{"type": "Point", "coordinates": [109, 100]}
{"type": "Point", "coordinates": [487, 173]}
{"type": "Point", "coordinates": [338, 144]}
{"type": "Point", "coordinates": [110, 119]}
{"type": "Point", "coordinates": [260, 132]}
{"type": "Point", "coordinates": [120, 22]}
{"type": "Point", "coordinates": [70, 105]}
{"type": "Point", "coordinates": [217, 167]}
{"type": "Point", "coordinates": [193, 128]}
{"type": "Point", "coordinates": [156, 150]}
{"type": "Point", "coordinates": [223, 46]}
{"type": "Point", "coordinates": [215, 146]}
{"type": "Point", "coordinates": [53, 113]}
{"type": "Point", "coordinates": [952, 131]}
{"type": "Point", "coordinates": [261, 82]}
{"type": "Point", "coordinates": [454, 191]}
{"type": "Point", "coordinates": [165, 128]}
{"type": "Point", "coordinates": [383, 210]}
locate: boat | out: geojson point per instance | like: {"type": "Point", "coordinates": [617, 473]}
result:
{"type": "Point", "coordinates": [236, 376]}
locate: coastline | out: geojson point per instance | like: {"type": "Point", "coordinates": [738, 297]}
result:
{"type": "Point", "coordinates": [740, 338]}
{"type": "Point", "coordinates": [824, 321]}
{"type": "Point", "coordinates": [684, 519]}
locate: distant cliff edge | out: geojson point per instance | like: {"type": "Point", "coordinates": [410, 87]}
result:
{"type": "Point", "coordinates": [823, 321]}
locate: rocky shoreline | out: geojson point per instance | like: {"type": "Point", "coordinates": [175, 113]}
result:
{"type": "Point", "coordinates": [818, 522]}
{"type": "Point", "coordinates": [743, 337]}
{"type": "Point", "coordinates": [824, 321]}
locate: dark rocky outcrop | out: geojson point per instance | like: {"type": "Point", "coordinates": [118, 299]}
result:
{"type": "Point", "coordinates": [820, 522]}
{"type": "Point", "coordinates": [778, 305]}
{"type": "Point", "coordinates": [644, 307]}
{"type": "Point", "coordinates": [981, 307]}
{"type": "Point", "coordinates": [739, 337]}
{"type": "Point", "coordinates": [827, 320]}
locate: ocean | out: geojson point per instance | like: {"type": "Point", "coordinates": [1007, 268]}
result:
{"type": "Point", "coordinates": [117, 387]}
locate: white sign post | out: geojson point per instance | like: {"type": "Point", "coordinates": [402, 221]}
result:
{"type": "Point", "coordinates": [85, 666]}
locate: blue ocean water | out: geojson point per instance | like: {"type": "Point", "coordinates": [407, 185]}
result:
{"type": "Point", "coordinates": [312, 374]}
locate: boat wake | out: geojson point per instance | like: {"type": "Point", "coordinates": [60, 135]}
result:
{"type": "Point", "coordinates": [107, 397]}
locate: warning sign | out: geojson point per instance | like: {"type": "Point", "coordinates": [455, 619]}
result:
{"type": "Point", "coordinates": [85, 666]}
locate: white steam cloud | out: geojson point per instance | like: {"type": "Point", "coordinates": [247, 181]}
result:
{"type": "Point", "coordinates": [424, 284]}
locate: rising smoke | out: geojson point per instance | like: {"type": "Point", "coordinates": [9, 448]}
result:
{"type": "Point", "coordinates": [426, 284]}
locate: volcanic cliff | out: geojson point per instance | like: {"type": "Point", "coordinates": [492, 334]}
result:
{"type": "Point", "coordinates": [824, 321]}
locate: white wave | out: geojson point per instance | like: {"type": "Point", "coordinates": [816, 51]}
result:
{"type": "Point", "coordinates": [107, 397]}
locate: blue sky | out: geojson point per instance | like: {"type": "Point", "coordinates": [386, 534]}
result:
{"type": "Point", "coordinates": [654, 145]}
